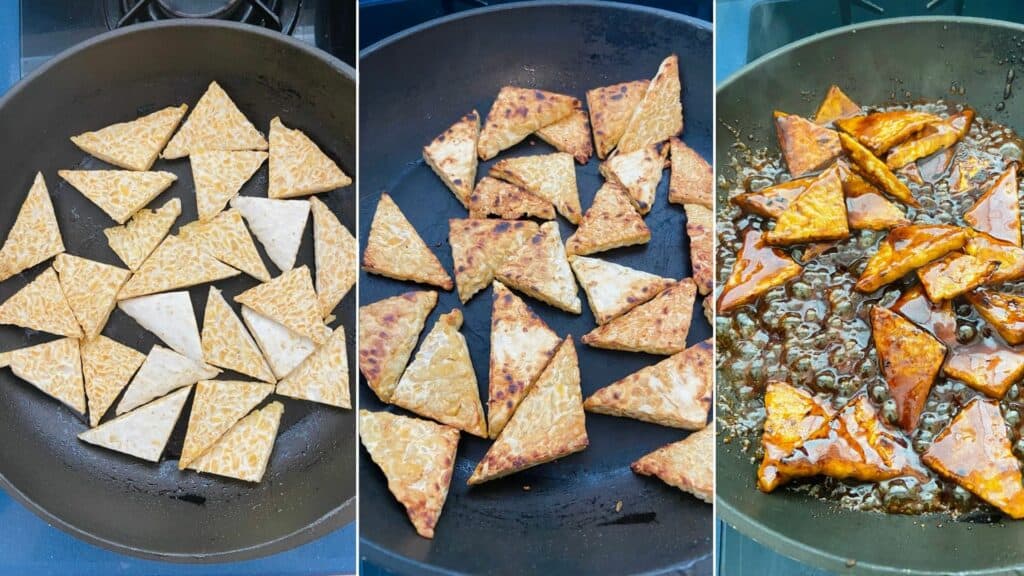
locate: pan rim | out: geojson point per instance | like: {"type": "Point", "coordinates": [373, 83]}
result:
{"type": "Point", "coordinates": [330, 520]}
{"type": "Point", "coordinates": [526, 4]}
{"type": "Point", "coordinates": [724, 508]}
{"type": "Point", "coordinates": [369, 550]}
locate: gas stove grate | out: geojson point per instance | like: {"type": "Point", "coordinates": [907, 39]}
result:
{"type": "Point", "coordinates": [280, 15]}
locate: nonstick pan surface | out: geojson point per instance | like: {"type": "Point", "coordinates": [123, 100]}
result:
{"type": "Point", "coordinates": [558, 518]}
{"type": "Point", "coordinates": [134, 507]}
{"type": "Point", "coordinates": [957, 59]}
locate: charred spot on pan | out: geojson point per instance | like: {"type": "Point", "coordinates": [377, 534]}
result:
{"type": "Point", "coordinates": [190, 498]}
{"type": "Point", "coordinates": [634, 518]}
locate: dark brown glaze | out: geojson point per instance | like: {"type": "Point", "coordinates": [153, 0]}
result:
{"type": "Point", "coordinates": [997, 212]}
{"type": "Point", "coordinates": [937, 136]}
{"type": "Point", "coordinates": [974, 451]}
{"type": "Point", "coordinates": [880, 131]}
{"type": "Point", "coordinates": [1003, 311]}
{"type": "Point", "coordinates": [758, 269]}
{"type": "Point", "coordinates": [815, 331]}
{"type": "Point", "coordinates": [907, 248]}
{"type": "Point", "coordinates": [910, 359]}
{"type": "Point", "coordinates": [805, 145]}
{"type": "Point", "coordinates": [938, 319]}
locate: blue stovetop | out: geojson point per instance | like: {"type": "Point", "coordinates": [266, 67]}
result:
{"type": "Point", "coordinates": [31, 546]}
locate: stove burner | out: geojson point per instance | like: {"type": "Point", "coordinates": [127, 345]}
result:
{"type": "Point", "coordinates": [280, 15]}
{"type": "Point", "coordinates": [198, 8]}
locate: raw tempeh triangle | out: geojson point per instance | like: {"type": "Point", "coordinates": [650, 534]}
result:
{"type": "Point", "coordinates": [540, 269]}
{"type": "Point", "coordinates": [656, 327]}
{"type": "Point", "coordinates": [226, 342]}
{"type": "Point", "coordinates": [675, 392]}
{"type": "Point", "coordinates": [692, 178]}
{"type": "Point", "coordinates": [452, 156]}
{"type": "Point", "coordinates": [492, 197]}
{"type": "Point", "coordinates": [521, 346]}
{"type": "Point", "coordinates": [687, 464]}
{"type": "Point", "coordinates": [323, 376]}
{"type": "Point", "coordinates": [611, 108]}
{"type": "Point", "coordinates": [570, 135]}
{"type": "Point", "coordinates": [284, 349]}
{"type": "Point", "coordinates": [244, 451]}
{"type": "Point", "coordinates": [217, 406]}
{"type": "Point", "coordinates": [227, 239]}
{"type": "Point", "coordinates": [216, 123]}
{"type": "Point", "coordinates": [548, 176]}
{"type": "Point", "coordinates": [54, 367]}
{"type": "Point", "coordinates": [336, 255]}
{"type": "Point", "coordinates": [35, 235]}
{"type": "Point", "coordinates": [518, 112]}
{"type": "Point", "coordinates": [219, 175]}
{"type": "Point", "coordinates": [119, 193]}
{"type": "Point", "coordinates": [133, 145]}
{"type": "Point", "coordinates": [41, 305]}
{"type": "Point", "coordinates": [298, 167]}
{"type": "Point", "coordinates": [162, 372]}
{"type": "Point", "coordinates": [700, 227]}
{"type": "Point", "coordinates": [142, 433]}
{"type": "Point", "coordinates": [395, 250]}
{"type": "Point", "coordinates": [610, 222]}
{"type": "Point", "coordinates": [660, 114]}
{"type": "Point", "coordinates": [174, 264]}
{"type": "Point", "coordinates": [417, 457]}
{"type": "Point", "coordinates": [107, 366]}
{"type": "Point", "coordinates": [277, 224]}
{"type": "Point", "coordinates": [388, 331]}
{"type": "Point", "coordinates": [137, 239]}
{"type": "Point", "coordinates": [548, 424]}
{"type": "Point", "coordinates": [91, 289]}
{"type": "Point", "coordinates": [480, 247]}
{"type": "Point", "coordinates": [291, 301]}
{"type": "Point", "coordinates": [638, 173]}
{"type": "Point", "coordinates": [440, 383]}
{"type": "Point", "coordinates": [613, 289]}
{"type": "Point", "coordinates": [170, 316]}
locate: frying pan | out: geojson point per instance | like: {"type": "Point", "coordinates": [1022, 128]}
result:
{"type": "Point", "coordinates": [901, 59]}
{"type": "Point", "coordinates": [134, 507]}
{"type": "Point", "coordinates": [413, 86]}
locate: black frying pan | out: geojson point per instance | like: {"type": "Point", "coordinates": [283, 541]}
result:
{"type": "Point", "coordinates": [112, 500]}
{"type": "Point", "coordinates": [927, 56]}
{"type": "Point", "coordinates": [414, 85]}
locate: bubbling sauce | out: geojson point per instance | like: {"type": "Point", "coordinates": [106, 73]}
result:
{"type": "Point", "coordinates": [814, 332]}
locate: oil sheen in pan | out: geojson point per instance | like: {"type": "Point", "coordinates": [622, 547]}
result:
{"type": "Point", "coordinates": [813, 332]}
